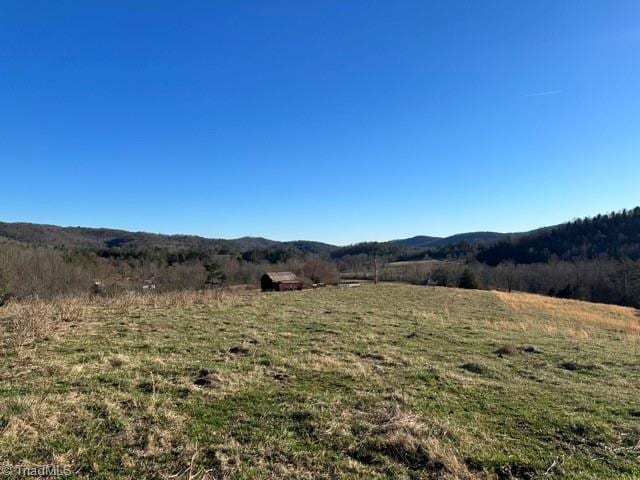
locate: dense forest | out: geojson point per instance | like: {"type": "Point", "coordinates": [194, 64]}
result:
{"type": "Point", "coordinates": [615, 236]}
{"type": "Point", "coordinates": [595, 259]}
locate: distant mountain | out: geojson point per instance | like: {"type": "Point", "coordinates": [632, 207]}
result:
{"type": "Point", "coordinates": [419, 241]}
{"type": "Point", "coordinates": [308, 246]}
{"type": "Point", "coordinates": [106, 238]}
{"type": "Point", "coordinates": [246, 243]}
{"type": "Point", "coordinates": [84, 237]}
{"type": "Point", "coordinates": [422, 241]}
{"type": "Point", "coordinates": [110, 240]}
{"type": "Point", "coordinates": [81, 237]}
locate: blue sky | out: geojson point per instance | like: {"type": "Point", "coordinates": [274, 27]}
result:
{"type": "Point", "coordinates": [340, 121]}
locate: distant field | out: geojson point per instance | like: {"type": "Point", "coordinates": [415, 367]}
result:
{"type": "Point", "coordinates": [380, 381]}
{"type": "Point", "coordinates": [417, 262]}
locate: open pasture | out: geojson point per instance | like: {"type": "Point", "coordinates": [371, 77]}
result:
{"type": "Point", "coordinates": [381, 381]}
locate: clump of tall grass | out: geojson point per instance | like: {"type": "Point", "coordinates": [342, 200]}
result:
{"type": "Point", "coordinates": [405, 438]}
{"type": "Point", "coordinates": [128, 301]}
{"type": "Point", "coordinates": [30, 320]}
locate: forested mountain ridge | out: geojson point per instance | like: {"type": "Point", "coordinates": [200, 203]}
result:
{"type": "Point", "coordinates": [422, 241]}
{"type": "Point", "coordinates": [614, 236]}
{"type": "Point", "coordinates": [83, 237]}
{"type": "Point", "coordinates": [422, 245]}
{"type": "Point", "coordinates": [419, 241]}
{"type": "Point", "coordinates": [106, 238]}
{"type": "Point", "coordinates": [110, 239]}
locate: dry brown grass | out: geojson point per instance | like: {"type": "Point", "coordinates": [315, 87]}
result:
{"type": "Point", "coordinates": [28, 320]}
{"type": "Point", "coordinates": [39, 416]}
{"type": "Point", "coordinates": [507, 349]}
{"type": "Point", "coordinates": [574, 318]}
{"type": "Point", "coordinates": [407, 439]}
{"type": "Point", "coordinates": [213, 298]}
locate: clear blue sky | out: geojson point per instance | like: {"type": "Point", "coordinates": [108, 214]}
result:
{"type": "Point", "coordinates": [340, 121]}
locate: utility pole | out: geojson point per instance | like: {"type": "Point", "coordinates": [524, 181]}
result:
{"type": "Point", "coordinates": [375, 269]}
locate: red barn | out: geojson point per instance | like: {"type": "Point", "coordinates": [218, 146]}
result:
{"type": "Point", "coordinates": [280, 281]}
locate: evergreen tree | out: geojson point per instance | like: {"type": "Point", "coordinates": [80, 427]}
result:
{"type": "Point", "coordinates": [215, 276]}
{"type": "Point", "coordinates": [468, 280]}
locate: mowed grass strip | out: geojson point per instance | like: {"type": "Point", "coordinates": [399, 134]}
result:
{"type": "Point", "coordinates": [381, 381]}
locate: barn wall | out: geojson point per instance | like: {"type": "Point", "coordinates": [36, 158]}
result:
{"type": "Point", "coordinates": [266, 283]}
{"type": "Point", "coordinates": [283, 286]}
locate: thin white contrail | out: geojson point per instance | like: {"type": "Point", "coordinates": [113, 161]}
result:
{"type": "Point", "coordinates": [541, 94]}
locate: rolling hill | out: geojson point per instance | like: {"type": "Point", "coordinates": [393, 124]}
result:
{"type": "Point", "coordinates": [97, 238]}
{"type": "Point", "coordinates": [612, 236]}
{"type": "Point", "coordinates": [422, 241]}
{"type": "Point", "coordinates": [377, 382]}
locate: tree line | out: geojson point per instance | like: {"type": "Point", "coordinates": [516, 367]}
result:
{"type": "Point", "coordinates": [596, 259]}
{"type": "Point", "coordinates": [28, 270]}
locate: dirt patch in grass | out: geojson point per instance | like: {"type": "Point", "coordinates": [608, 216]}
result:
{"type": "Point", "coordinates": [147, 387]}
{"type": "Point", "coordinates": [573, 366]}
{"type": "Point", "coordinates": [240, 350]}
{"type": "Point", "coordinates": [475, 367]}
{"type": "Point", "coordinates": [281, 377]}
{"type": "Point", "coordinates": [378, 357]}
{"type": "Point", "coordinates": [506, 349]}
{"type": "Point", "coordinates": [206, 378]}
{"type": "Point", "coordinates": [531, 349]}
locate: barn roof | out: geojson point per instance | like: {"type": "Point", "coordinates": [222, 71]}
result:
{"type": "Point", "coordinates": [282, 276]}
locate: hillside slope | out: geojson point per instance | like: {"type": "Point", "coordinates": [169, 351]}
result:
{"type": "Point", "coordinates": [381, 381]}
{"type": "Point", "coordinates": [85, 237]}
{"type": "Point", "coordinates": [613, 236]}
{"type": "Point", "coordinates": [53, 235]}
{"type": "Point", "coordinates": [97, 238]}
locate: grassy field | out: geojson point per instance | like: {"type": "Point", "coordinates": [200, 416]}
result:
{"type": "Point", "coordinates": [381, 381]}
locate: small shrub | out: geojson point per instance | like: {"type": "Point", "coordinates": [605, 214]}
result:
{"type": "Point", "coordinates": [439, 277]}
